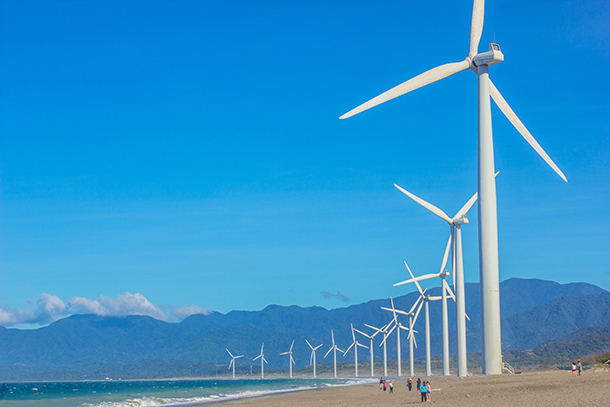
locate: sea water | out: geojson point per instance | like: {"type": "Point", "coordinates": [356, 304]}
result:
{"type": "Point", "coordinates": [144, 393]}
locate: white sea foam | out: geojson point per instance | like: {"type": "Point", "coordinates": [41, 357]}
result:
{"type": "Point", "coordinates": [146, 401]}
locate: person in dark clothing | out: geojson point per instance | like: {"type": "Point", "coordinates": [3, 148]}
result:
{"type": "Point", "coordinates": [422, 389]}
{"type": "Point", "coordinates": [418, 385]}
{"type": "Point", "coordinates": [410, 383]}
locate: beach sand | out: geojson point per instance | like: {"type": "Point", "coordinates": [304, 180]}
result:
{"type": "Point", "coordinates": [546, 388]}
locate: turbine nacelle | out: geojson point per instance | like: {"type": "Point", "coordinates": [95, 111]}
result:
{"type": "Point", "coordinates": [491, 57]}
{"type": "Point", "coordinates": [462, 220]}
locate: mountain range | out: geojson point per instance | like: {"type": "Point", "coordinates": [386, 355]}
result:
{"type": "Point", "coordinates": [534, 312]}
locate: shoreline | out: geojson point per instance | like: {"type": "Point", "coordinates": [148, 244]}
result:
{"type": "Point", "coordinates": [543, 388]}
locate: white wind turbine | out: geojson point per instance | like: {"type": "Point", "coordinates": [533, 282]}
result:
{"type": "Point", "coordinates": [262, 356]}
{"type": "Point", "coordinates": [444, 290]}
{"type": "Point", "coordinates": [334, 348]}
{"type": "Point", "coordinates": [312, 358]}
{"type": "Point", "coordinates": [486, 185]}
{"type": "Point", "coordinates": [411, 337]}
{"type": "Point", "coordinates": [384, 330]}
{"type": "Point", "coordinates": [457, 265]}
{"type": "Point", "coordinates": [233, 361]}
{"type": "Point", "coordinates": [355, 344]}
{"type": "Point", "coordinates": [290, 360]}
{"type": "Point", "coordinates": [371, 347]}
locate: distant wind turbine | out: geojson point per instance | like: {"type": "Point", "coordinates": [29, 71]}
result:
{"type": "Point", "coordinates": [290, 359]}
{"type": "Point", "coordinates": [384, 330]}
{"type": "Point", "coordinates": [355, 344]}
{"type": "Point", "coordinates": [398, 325]}
{"type": "Point", "coordinates": [444, 290]}
{"type": "Point", "coordinates": [312, 358]}
{"type": "Point", "coordinates": [334, 348]}
{"type": "Point", "coordinates": [486, 185]}
{"type": "Point", "coordinates": [371, 347]}
{"type": "Point", "coordinates": [233, 361]}
{"type": "Point", "coordinates": [262, 356]}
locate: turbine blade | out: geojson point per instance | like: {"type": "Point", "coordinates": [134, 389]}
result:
{"type": "Point", "coordinates": [265, 360]}
{"type": "Point", "coordinates": [292, 360]}
{"type": "Point", "coordinates": [309, 344]}
{"type": "Point", "coordinates": [237, 357]}
{"type": "Point", "coordinates": [291, 345]}
{"type": "Point", "coordinates": [476, 26]}
{"type": "Point", "coordinates": [328, 352]}
{"type": "Point", "coordinates": [231, 364]}
{"type": "Point", "coordinates": [361, 345]}
{"type": "Point", "coordinates": [446, 255]}
{"type": "Point", "coordinates": [317, 347]}
{"type": "Point", "coordinates": [311, 358]}
{"type": "Point", "coordinates": [416, 283]}
{"type": "Point", "coordinates": [332, 334]}
{"type": "Point", "coordinates": [229, 352]}
{"type": "Point", "coordinates": [362, 333]}
{"type": "Point", "coordinates": [512, 117]}
{"type": "Point", "coordinates": [466, 206]}
{"type": "Point", "coordinates": [414, 305]}
{"type": "Point", "coordinates": [426, 78]}
{"type": "Point", "coordinates": [353, 334]}
{"type": "Point", "coordinates": [420, 278]}
{"type": "Point", "coordinates": [257, 357]}
{"type": "Point", "coordinates": [449, 290]}
{"type": "Point", "coordinates": [466, 315]}
{"type": "Point", "coordinates": [285, 353]}
{"type": "Point", "coordinates": [390, 331]}
{"type": "Point", "coordinates": [435, 298]}
{"type": "Point", "coordinates": [350, 346]}
{"type": "Point", "coordinates": [340, 350]}
{"type": "Point", "coordinates": [417, 313]}
{"type": "Point", "coordinates": [426, 205]}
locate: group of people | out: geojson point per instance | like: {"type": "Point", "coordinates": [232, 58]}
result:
{"type": "Point", "coordinates": [383, 385]}
{"type": "Point", "coordinates": [423, 388]}
{"type": "Point", "coordinates": [576, 367]}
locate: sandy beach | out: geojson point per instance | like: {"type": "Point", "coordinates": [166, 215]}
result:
{"type": "Point", "coordinates": [546, 388]}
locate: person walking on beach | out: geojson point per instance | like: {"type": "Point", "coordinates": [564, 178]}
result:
{"type": "Point", "coordinates": [418, 384]}
{"type": "Point", "coordinates": [410, 381]}
{"type": "Point", "coordinates": [384, 386]}
{"type": "Point", "coordinates": [381, 381]}
{"type": "Point", "coordinates": [391, 386]}
{"type": "Point", "coordinates": [428, 391]}
{"type": "Point", "coordinates": [422, 389]}
{"type": "Point", "coordinates": [579, 368]}
{"type": "Point", "coordinates": [573, 369]}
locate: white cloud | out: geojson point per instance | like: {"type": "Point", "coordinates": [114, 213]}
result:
{"type": "Point", "coordinates": [183, 312]}
{"type": "Point", "coordinates": [50, 308]}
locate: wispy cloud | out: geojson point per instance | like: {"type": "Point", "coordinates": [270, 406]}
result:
{"type": "Point", "coordinates": [330, 296]}
{"type": "Point", "coordinates": [50, 308]}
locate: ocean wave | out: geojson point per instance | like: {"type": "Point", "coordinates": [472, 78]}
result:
{"type": "Point", "coordinates": [148, 401]}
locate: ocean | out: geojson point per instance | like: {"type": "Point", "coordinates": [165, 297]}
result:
{"type": "Point", "coordinates": [144, 393]}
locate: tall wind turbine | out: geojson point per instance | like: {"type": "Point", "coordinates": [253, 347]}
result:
{"type": "Point", "coordinates": [312, 358]}
{"type": "Point", "coordinates": [384, 330]}
{"type": "Point", "coordinates": [290, 359]}
{"type": "Point", "coordinates": [486, 185]}
{"type": "Point", "coordinates": [444, 290]}
{"type": "Point", "coordinates": [262, 356]}
{"type": "Point", "coordinates": [398, 325]}
{"type": "Point", "coordinates": [334, 348]}
{"type": "Point", "coordinates": [355, 344]}
{"type": "Point", "coordinates": [371, 347]}
{"type": "Point", "coordinates": [233, 361]}
{"type": "Point", "coordinates": [457, 265]}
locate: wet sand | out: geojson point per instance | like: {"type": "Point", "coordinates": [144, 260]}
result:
{"type": "Point", "coordinates": [546, 388]}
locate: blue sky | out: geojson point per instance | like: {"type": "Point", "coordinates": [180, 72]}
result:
{"type": "Point", "coordinates": [171, 157]}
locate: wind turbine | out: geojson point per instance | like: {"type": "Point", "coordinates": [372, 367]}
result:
{"type": "Point", "coordinates": [398, 325]}
{"type": "Point", "coordinates": [384, 330]}
{"type": "Point", "coordinates": [334, 348]}
{"type": "Point", "coordinates": [457, 265]}
{"type": "Point", "coordinates": [486, 185]}
{"type": "Point", "coordinates": [290, 360]}
{"type": "Point", "coordinates": [355, 344]}
{"type": "Point", "coordinates": [233, 361]}
{"type": "Point", "coordinates": [444, 289]}
{"type": "Point", "coordinates": [371, 347]}
{"type": "Point", "coordinates": [262, 356]}
{"type": "Point", "coordinates": [312, 358]}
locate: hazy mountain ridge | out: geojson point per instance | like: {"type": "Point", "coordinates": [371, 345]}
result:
{"type": "Point", "coordinates": [88, 342]}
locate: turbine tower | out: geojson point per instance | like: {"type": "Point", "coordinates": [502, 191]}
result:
{"type": "Point", "coordinates": [371, 347]}
{"type": "Point", "coordinates": [233, 361]}
{"type": "Point", "coordinates": [262, 356]}
{"type": "Point", "coordinates": [290, 359]}
{"type": "Point", "coordinates": [355, 344]}
{"type": "Point", "coordinates": [457, 268]}
{"type": "Point", "coordinates": [444, 290]}
{"type": "Point", "coordinates": [384, 330]}
{"type": "Point", "coordinates": [334, 348]}
{"type": "Point", "coordinates": [486, 185]}
{"type": "Point", "coordinates": [312, 358]}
